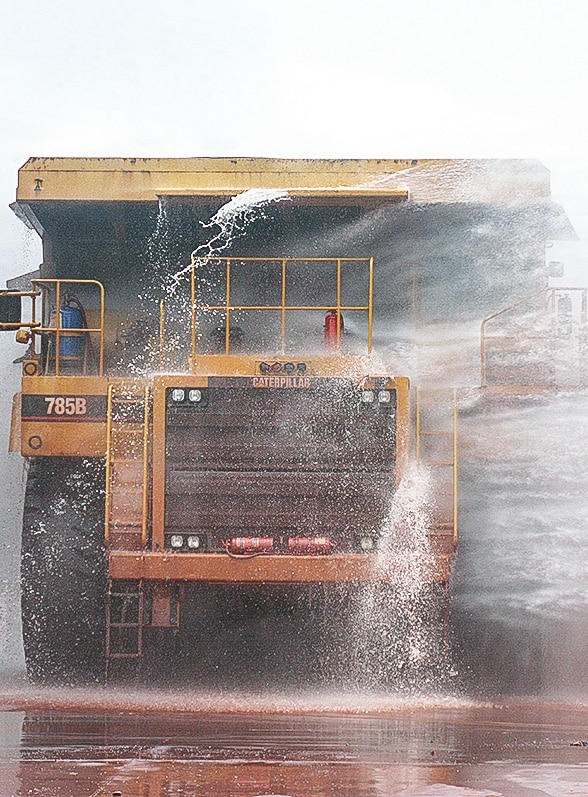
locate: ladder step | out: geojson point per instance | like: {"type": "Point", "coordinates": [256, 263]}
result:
{"type": "Point", "coordinates": [125, 655]}
{"type": "Point", "coordinates": [124, 625]}
{"type": "Point", "coordinates": [137, 399]}
{"type": "Point", "coordinates": [127, 455]}
{"type": "Point", "coordinates": [124, 631]}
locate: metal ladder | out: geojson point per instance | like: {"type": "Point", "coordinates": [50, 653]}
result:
{"type": "Point", "coordinates": [127, 466]}
{"type": "Point", "coordinates": [126, 515]}
{"type": "Point", "coordinates": [125, 618]}
{"type": "Point", "coordinates": [436, 448]}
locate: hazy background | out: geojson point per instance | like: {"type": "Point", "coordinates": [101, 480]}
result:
{"type": "Point", "coordinates": [298, 78]}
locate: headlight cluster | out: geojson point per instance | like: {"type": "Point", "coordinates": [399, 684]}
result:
{"type": "Point", "coordinates": [376, 396]}
{"type": "Point", "coordinates": [279, 368]}
{"type": "Point", "coordinates": [197, 543]}
{"type": "Point", "coordinates": [367, 544]}
{"type": "Point", "coordinates": [185, 542]}
{"type": "Point", "coordinates": [187, 396]}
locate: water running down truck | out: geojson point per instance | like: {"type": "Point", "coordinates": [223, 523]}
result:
{"type": "Point", "coordinates": [196, 419]}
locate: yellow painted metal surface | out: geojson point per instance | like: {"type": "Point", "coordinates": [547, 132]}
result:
{"type": "Point", "coordinates": [127, 465]}
{"type": "Point", "coordinates": [68, 436]}
{"type": "Point", "coordinates": [267, 569]}
{"type": "Point", "coordinates": [15, 430]}
{"type": "Point", "coordinates": [46, 385]}
{"type": "Point", "coordinates": [41, 439]}
{"type": "Point", "coordinates": [146, 179]}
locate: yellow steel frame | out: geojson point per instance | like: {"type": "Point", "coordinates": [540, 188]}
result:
{"type": "Point", "coordinates": [33, 323]}
{"type": "Point", "coordinates": [58, 330]}
{"type": "Point", "coordinates": [322, 181]}
{"type": "Point", "coordinates": [144, 396]}
{"type": "Point", "coordinates": [107, 490]}
{"type": "Point", "coordinates": [37, 328]}
{"type": "Point", "coordinates": [145, 502]}
{"type": "Point", "coordinates": [283, 307]}
{"type": "Point", "coordinates": [445, 463]}
{"type": "Point", "coordinates": [550, 294]}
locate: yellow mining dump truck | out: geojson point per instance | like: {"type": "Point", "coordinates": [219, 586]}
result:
{"type": "Point", "coordinates": [201, 407]}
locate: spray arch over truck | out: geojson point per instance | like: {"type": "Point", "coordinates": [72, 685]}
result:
{"type": "Point", "coordinates": [217, 381]}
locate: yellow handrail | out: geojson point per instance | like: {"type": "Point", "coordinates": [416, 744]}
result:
{"type": "Point", "coordinates": [108, 473]}
{"type": "Point", "coordinates": [145, 498]}
{"type": "Point", "coordinates": [453, 462]}
{"type": "Point", "coordinates": [58, 330]}
{"type": "Point", "coordinates": [138, 398]}
{"type": "Point", "coordinates": [550, 293]}
{"type": "Point", "coordinates": [227, 308]}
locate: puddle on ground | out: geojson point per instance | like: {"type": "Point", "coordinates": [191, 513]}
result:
{"type": "Point", "coordinates": [394, 748]}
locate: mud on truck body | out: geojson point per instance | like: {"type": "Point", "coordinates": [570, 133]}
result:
{"type": "Point", "coordinates": [230, 427]}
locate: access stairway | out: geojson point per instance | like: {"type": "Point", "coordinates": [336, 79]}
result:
{"type": "Point", "coordinates": [127, 512]}
{"type": "Point", "coordinates": [436, 449]}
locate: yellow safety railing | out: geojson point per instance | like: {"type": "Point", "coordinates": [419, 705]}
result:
{"type": "Point", "coordinates": [52, 327]}
{"type": "Point", "coordinates": [283, 308]}
{"type": "Point", "coordinates": [55, 326]}
{"type": "Point", "coordinates": [446, 400]}
{"type": "Point", "coordinates": [550, 295]}
{"type": "Point", "coordinates": [15, 325]}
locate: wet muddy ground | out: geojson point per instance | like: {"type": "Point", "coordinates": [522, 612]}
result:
{"type": "Point", "coordinates": [81, 744]}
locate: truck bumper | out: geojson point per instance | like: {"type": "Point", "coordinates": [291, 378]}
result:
{"type": "Point", "coordinates": [280, 569]}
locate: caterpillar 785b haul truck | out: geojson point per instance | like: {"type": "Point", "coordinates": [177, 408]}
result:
{"type": "Point", "coordinates": [202, 407]}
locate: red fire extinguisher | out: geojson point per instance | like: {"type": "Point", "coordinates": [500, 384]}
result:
{"type": "Point", "coordinates": [248, 546]}
{"type": "Point", "coordinates": [311, 545]}
{"type": "Point", "coordinates": [331, 338]}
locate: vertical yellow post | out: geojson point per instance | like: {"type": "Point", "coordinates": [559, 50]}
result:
{"type": "Point", "coordinates": [57, 326]}
{"type": "Point", "coordinates": [161, 330]}
{"type": "Point", "coordinates": [338, 302]}
{"type": "Point", "coordinates": [370, 304]}
{"type": "Point", "coordinates": [145, 503]}
{"type": "Point", "coordinates": [108, 465]}
{"type": "Point", "coordinates": [228, 310]}
{"type": "Point", "coordinates": [283, 349]}
{"type": "Point", "coordinates": [101, 329]}
{"type": "Point", "coordinates": [34, 321]}
{"type": "Point", "coordinates": [193, 301]}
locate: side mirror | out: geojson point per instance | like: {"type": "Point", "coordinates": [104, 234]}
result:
{"type": "Point", "coordinates": [10, 311]}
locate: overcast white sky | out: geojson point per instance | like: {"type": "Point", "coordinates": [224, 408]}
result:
{"type": "Point", "coordinates": [308, 78]}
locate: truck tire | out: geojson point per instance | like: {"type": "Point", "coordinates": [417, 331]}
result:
{"type": "Point", "coordinates": [63, 571]}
